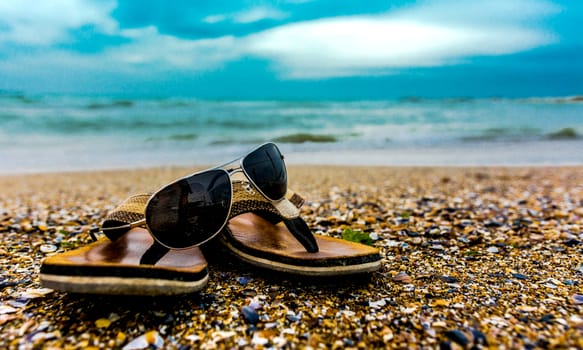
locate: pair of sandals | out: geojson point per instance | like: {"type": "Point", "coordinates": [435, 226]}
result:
{"type": "Point", "coordinates": [128, 261]}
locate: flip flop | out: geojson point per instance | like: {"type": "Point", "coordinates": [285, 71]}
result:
{"type": "Point", "coordinates": [126, 262]}
{"type": "Point", "coordinates": [275, 237]}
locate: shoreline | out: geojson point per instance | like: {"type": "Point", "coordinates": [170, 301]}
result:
{"type": "Point", "coordinates": [471, 255]}
{"type": "Point", "coordinates": [559, 153]}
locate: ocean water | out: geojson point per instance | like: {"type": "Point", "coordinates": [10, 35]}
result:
{"type": "Point", "coordinates": [54, 133]}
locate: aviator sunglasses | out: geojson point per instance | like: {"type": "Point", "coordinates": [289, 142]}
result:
{"type": "Point", "coordinates": [193, 209]}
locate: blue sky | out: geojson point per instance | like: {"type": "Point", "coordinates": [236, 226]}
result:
{"type": "Point", "coordinates": [292, 49]}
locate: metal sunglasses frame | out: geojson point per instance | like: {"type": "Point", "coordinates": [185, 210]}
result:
{"type": "Point", "coordinates": [230, 168]}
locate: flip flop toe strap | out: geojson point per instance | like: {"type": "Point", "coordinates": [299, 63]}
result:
{"type": "Point", "coordinates": [246, 199]}
{"type": "Point", "coordinates": [300, 230]}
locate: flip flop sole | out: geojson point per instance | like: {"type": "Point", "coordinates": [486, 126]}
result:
{"type": "Point", "coordinates": [121, 285]}
{"type": "Point", "coordinates": [256, 241]}
{"type": "Point", "coordinates": [337, 270]}
{"type": "Point", "coordinates": [106, 267]}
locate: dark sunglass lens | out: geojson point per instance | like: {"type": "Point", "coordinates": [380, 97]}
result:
{"type": "Point", "coordinates": [266, 168]}
{"type": "Point", "coordinates": [190, 211]}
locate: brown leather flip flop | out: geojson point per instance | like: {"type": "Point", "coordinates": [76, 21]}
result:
{"type": "Point", "coordinates": [126, 262]}
{"type": "Point", "coordinates": [263, 235]}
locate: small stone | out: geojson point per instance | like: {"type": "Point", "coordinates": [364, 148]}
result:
{"type": "Point", "coordinates": [293, 317]}
{"type": "Point", "coordinates": [519, 276]}
{"type": "Point", "coordinates": [34, 293]}
{"type": "Point", "coordinates": [250, 315]}
{"type": "Point", "coordinates": [243, 280]}
{"type": "Point", "coordinates": [479, 337]}
{"type": "Point", "coordinates": [48, 248]}
{"type": "Point", "coordinates": [148, 340]}
{"type": "Point", "coordinates": [577, 299]}
{"type": "Point", "coordinates": [526, 308]}
{"type": "Point", "coordinates": [439, 303]}
{"type": "Point", "coordinates": [458, 337]}
{"type": "Point", "coordinates": [102, 323]}
{"type": "Point", "coordinates": [402, 277]}
{"type": "Point", "coordinates": [448, 279]}
{"type": "Point", "coordinates": [5, 309]}
{"type": "Point", "coordinates": [255, 305]}
{"type": "Point", "coordinates": [378, 303]}
{"type": "Point", "coordinates": [493, 250]}
{"type": "Point", "coordinates": [222, 335]}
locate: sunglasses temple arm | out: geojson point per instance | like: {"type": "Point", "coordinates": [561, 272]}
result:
{"type": "Point", "coordinates": [129, 226]}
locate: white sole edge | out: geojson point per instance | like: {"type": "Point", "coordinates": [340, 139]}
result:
{"type": "Point", "coordinates": [120, 285]}
{"type": "Point", "coordinates": [304, 270]}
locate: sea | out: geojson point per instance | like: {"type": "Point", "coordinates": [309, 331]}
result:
{"type": "Point", "coordinates": [53, 133]}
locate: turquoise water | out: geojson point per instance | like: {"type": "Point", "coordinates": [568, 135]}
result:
{"type": "Point", "coordinates": [51, 133]}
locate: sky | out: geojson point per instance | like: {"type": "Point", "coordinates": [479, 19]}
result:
{"type": "Point", "coordinates": [294, 49]}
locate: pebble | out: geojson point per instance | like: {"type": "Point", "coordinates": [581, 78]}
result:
{"type": "Point", "coordinates": [458, 337]}
{"type": "Point", "coordinates": [493, 250]}
{"type": "Point", "coordinates": [250, 315]}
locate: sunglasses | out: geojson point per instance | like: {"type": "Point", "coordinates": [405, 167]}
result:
{"type": "Point", "coordinates": [193, 209]}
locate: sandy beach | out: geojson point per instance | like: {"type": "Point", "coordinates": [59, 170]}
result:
{"type": "Point", "coordinates": [486, 257]}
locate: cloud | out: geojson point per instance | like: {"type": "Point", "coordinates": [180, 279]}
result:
{"type": "Point", "coordinates": [423, 36]}
{"type": "Point", "coordinates": [212, 19]}
{"type": "Point", "coordinates": [258, 14]}
{"type": "Point", "coordinates": [252, 15]}
{"type": "Point", "coordinates": [44, 23]}
{"type": "Point", "coordinates": [165, 52]}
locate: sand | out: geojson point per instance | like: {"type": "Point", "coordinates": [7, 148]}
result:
{"type": "Point", "coordinates": [485, 257]}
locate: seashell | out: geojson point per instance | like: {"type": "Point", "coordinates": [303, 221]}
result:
{"type": "Point", "coordinates": [48, 248]}
{"type": "Point", "coordinates": [148, 340]}
{"type": "Point", "coordinates": [5, 309]}
{"type": "Point", "coordinates": [402, 277]}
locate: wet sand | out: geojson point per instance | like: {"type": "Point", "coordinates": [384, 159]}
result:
{"type": "Point", "coordinates": [471, 256]}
